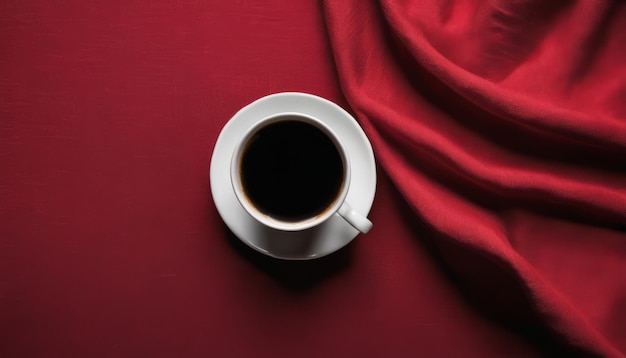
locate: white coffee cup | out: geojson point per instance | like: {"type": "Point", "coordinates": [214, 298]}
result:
{"type": "Point", "coordinates": [338, 206]}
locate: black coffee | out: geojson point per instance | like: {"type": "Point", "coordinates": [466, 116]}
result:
{"type": "Point", "coordinates": [291, 171]}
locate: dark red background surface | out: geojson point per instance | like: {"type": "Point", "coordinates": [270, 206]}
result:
{"type": "Point", "coordinates": [110, 244]}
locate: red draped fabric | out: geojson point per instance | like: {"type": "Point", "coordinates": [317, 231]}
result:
{"type": "Point", "coordinates": [503, 125]}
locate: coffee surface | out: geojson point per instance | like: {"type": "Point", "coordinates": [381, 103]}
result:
{"type": "Point", "coordinates": [291, 171]}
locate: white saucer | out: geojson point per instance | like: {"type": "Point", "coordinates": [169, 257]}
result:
{"type": "Point", "coordinates": [319, 241]}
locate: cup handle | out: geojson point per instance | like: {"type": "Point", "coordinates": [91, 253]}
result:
{"type": "Point", "coordinates": [355, 219]}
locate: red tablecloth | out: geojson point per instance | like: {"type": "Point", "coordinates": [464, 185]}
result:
{"type": "Point", "coordinates": [110, 244]}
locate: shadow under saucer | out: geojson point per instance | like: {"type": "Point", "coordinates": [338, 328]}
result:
{"type": "Point", "coordinates": [295, 275]}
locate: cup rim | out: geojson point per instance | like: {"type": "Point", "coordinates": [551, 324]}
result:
{"type": "Point", "coordinates": [266, 219]}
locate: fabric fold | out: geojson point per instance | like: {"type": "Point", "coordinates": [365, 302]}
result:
{"type": "Point", "coordinates": [507, 138]}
